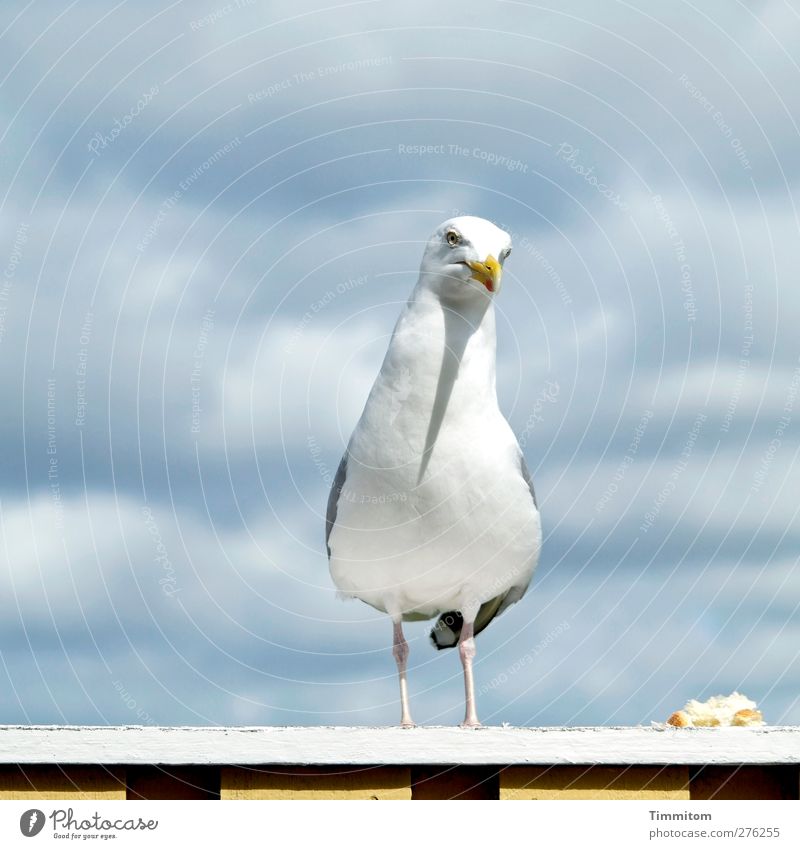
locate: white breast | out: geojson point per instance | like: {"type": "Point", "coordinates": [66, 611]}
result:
{"type": "Point", "coordinates": [427, 526]}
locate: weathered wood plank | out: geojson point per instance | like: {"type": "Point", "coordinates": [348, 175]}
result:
{"type": "Point", "coordinates": [595, 782]}
{"type": "Point", "coordinates": [421, 746]}
{"type": "Point", "coordinates": [61, 782]}
{"type": "Point", "coordinates": [390, 782]}
{"type": "Point", "coordinates": [173, 782]}
{"type": "Point", "coordinates": [745, 782]}
{"type": "Point", "coordinates": [455, 782]}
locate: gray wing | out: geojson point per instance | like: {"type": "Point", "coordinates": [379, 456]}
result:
{"type": "Point", "coordinates": [515, 593]}
{"type": "Point", "coordinates": [528, 479]}
{"type": "Point", "coordinates": [333, 500]}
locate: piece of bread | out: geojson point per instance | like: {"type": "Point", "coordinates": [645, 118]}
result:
{"type": "Point", "coordinates": [734, 709]}
{"type": "Point", "coordinates": [747, 717]}
{"type": "Point", "coordinates": [680, 719]}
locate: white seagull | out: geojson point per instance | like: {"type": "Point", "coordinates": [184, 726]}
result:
{"type": "Point", "coordinates": [432, 511]}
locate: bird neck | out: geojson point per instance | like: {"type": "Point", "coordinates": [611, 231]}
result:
{"type": "Point", "coordinates": [438, 374]}
{"type": "Point", "coordinates": [459, 338]}
{"type": "Point", "coordinates": [455, 370]}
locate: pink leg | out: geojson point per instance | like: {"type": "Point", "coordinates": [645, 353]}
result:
{"type": "Point", "coordinates": [401, 657]}
{"type": "Point", "coordinates": [466, 648]}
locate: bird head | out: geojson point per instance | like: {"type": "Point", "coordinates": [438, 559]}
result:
{"type": "Point", "coordinates": [464, 257]}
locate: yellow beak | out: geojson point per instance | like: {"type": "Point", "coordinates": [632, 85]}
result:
{"type": "Point", "coordinates": [488, 272]}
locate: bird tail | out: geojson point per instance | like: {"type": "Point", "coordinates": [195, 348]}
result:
{"type": "Point", "coordinates": [447, 630]}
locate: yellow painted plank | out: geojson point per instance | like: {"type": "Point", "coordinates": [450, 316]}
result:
{"type": "Point", "coordinates": [595, 782]}
{"type": "Point", "coordinates": [316, 782]}
{"type": "Point", "coordinates": [42, 781]}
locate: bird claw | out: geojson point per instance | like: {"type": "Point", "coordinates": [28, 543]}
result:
{"type": "Point", "coordinates": [471, 723]}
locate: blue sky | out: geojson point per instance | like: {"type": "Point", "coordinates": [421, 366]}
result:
{"type": "Point", "coordinates": [211, 216]}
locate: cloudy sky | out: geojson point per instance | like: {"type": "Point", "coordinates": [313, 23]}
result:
{"type": "Point", "coordinates": [211, 215]}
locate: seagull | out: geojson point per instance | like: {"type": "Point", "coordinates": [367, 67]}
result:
{"type": "Point", "coordinates": [432, 512]}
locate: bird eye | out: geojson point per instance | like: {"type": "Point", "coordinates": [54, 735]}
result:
{"type": "Point", "coordinates": [453, 238]}
{"type": "Point", "coordinates": [506, 253]}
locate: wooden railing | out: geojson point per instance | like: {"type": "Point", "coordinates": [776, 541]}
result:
{"type": "Point", "coordinates": [80, 762]}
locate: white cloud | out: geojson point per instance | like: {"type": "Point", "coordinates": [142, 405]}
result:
{"type": "Point", "coordinates": [594, 302]}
